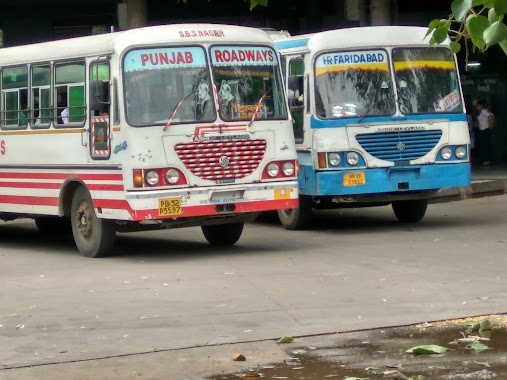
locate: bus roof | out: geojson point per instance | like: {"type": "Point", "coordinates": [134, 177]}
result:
{"type": "Point", "coordinates": [105, 44]}
{"type": "Point", "coordinates": [363, 37]}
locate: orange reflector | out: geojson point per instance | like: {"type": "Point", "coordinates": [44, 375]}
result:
{"type": "Point", "coordinates": [322, 160]}
{"type": "Point", "coordinates": [297, 168]}
{"type": "Point", "coordinates": [138, 178]}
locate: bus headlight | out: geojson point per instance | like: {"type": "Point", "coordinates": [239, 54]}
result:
{"type": "Point", "coordinates": [172, 176]}
{"type": "Point", "coordinates": [446, 153]}
{"type": "Point", "coordinates": [288, 169]}
{"type": "Point", "coordinates": [460, 152]}
{"type": "Point", "coordinates": [334, 159]}
{"type": "Point", "coordinates": [273, 170]}
{"type": "Point", "coordinates": [151, 177]}
{"type": "Point", "coordinates": [352, 158]}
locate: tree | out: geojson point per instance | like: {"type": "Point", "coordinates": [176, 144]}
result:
{"type": "Point", "coordinates": [476, 22]}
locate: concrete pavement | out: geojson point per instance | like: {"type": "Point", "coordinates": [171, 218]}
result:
{"type": "Point", "coordinates": [170, 291]}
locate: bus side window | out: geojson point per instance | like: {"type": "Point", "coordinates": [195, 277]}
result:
{"type": "Point", "coordinates": [99, 89]}
{"type": "Point", "coordinates": [70, 93]}
{"type": "Point", "coordinates": [40, 104]}
{"type": "Point", "coordinates": [295, 94]}
{"type": "Point", "coordinates": [15, 98]}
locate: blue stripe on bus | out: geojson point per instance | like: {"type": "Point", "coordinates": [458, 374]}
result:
{"type": "Point", "coordinates": [340, 123]}
{"type": "Point", "coordinates": [291, 44]}
{"type": "Point", "coordinates": [384, 180]}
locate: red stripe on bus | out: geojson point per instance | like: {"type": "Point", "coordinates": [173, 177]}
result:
{"type": "Point", "coordinates": [86, 177]}
{"type": "Point", "coordinates": [38, 185]}
{"type": "Point", "coordinates": [28, 200]}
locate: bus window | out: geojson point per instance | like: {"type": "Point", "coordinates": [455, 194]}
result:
{"type": "Point", "coordinates": [295, 93]}
{"type": "Point", "coordinates": [15, 96]}
{"type": "Point", "coordinates": [41, 97]}
{"type": "Point", "coordinates": [70, 92]}
{"type": "Point", "coordinates": [99, 89]}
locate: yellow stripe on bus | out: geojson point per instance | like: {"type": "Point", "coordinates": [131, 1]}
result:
{"type": "Point", "coordinates": [340, 68]}
{"type": "Point", "coordinates": [39, 132]}
{"type": "Point", "coordinates": [407, 65]}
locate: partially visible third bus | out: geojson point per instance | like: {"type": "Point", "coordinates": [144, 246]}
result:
{"type": "Point", "coordinates": [154, 128]}
{"type": "Point", "coordinates": [378, 119]}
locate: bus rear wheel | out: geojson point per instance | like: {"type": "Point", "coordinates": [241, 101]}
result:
{"type": "Point", "coordinates": [410, 211]}
{"type": "Point", "coordinates": [94, 237]}
{"type": "Point", "coordinates": [222, 235]}
{"type": "Point", "coordinates": [297, 218]}
{"type": "Point", "coordinates": [53, 225]}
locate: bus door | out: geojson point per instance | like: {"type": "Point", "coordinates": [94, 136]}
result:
{"type": "Point", "coordinates": [295, 93]}
{"type": "Point", "coordinates": [100, 107]}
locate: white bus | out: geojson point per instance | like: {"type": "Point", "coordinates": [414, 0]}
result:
{"type": "Point", "coordinates": [154, 128]}
{"type": "Point", "coordinates": [378, 119]}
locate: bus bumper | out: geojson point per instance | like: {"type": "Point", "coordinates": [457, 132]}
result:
{"type": "Point", "coordinates": [212, 201]}
{"type": "Point", "coordinates": [389, 180]}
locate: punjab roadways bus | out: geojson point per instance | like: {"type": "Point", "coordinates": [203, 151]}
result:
{"type": "Point", "coordinates": [378, 119]}
{"type": "Point", "coordinates": [154, 128]}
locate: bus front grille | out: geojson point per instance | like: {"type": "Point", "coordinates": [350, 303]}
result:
{"type": "Point", "coordinates": [399, 146]}
{"type": "Point", "coordinates": [222, 160]}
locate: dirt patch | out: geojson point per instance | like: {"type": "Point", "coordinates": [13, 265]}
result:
{"type": "Point", "coordinates": [379, 354]}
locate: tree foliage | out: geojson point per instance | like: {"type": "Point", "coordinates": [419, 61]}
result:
{"type": "Point", "coordinates": [479, 22]}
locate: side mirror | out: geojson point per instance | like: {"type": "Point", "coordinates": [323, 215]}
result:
{"type": "Point", "coordinates": [99, 95]}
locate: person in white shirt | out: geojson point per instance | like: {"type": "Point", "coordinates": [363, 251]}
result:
{"type": "Point", "coordinates": [485, 121]}
{"type": "Point", "coordinates": [65, 115]}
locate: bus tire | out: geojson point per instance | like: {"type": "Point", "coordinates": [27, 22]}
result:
{"type": "Point", "coordinates": [410, 211]}
{"type": "Point", "coordinates": [297, 218]}
{"type": "Point", "coordinates": [221, 235]}
{"type": "Point", "coordinates": [54, 225]}
{"type": "Point", "coordinates": [94, 237]}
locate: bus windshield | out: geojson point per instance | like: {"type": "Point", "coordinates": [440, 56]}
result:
{"type": "Point", "coordinates": [158, 79]}
{"type": "Point", "coordinates": [353, 84]}
{"type": "Point", "coordinates": [426, 80]}
{"type": "Point", "coordinates": [247, 80]}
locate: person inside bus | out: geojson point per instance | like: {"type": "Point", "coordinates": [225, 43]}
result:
{"type": "Point", "coordinates": [22, 118]}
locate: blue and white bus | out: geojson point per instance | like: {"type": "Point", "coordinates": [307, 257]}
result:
{"type": "Point", "coordinates": [378, 119]}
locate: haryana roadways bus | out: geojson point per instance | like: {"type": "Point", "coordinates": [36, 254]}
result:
{"type": "Point", "coordinates": [378, 119]}
{"type": "Point", "coordinates": [154, 128]}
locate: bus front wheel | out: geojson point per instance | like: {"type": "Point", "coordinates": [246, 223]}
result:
{"type": "Point", "coordinates": [222, 235]}
{"type": "Point", "coordinates": [94, 237]}
{"type": "Point", "coordinates": [297, 218]}
{"type": "Point", "coordinates": [410, 211]}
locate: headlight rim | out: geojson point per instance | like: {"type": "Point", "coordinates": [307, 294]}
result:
{"type": "Point", "coordinates": [331, 156]}
{"type": "Point", "coordinates": [349, 154]}
{"type": "Point", "coordinates": [463, 149]}
{"type": "Point", "coordinates": [446, 153]}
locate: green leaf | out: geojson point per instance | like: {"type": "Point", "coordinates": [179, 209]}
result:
{"type": "Point", "coordinates": [455, 47]}
{"type": "Point", "coordinates": [432, 26]}
{"type": "Point", "coordinates": [440, 34]}
{"type": "Point", "coordinates": [503, 45]}
{"type": "Point", "coordinates": [500, 7]}
{"type": "Point", "coordinates": [475, 26]}
{"type": "Point", "coordinates": [286, 339]}
{"type": "Point", "coordinates": [478, 347]}
{"type": "Point", "coordinates": [485, 325]}
{"type": "Point", "coordinates": [492, 16]}
{"type": "Point", "coordinates": [495, 33]}
{"type": "Point", "coordinates": [476, 3]}
{"type": "Point", "coordinates": [460, 8]}
{"type": "Point", "coordinates": [445, 23]}
{"type": "Point", "coordinates": [427, 349]}
{"type": "Point", "coordinates": [254, 3]}
{"type": "Point", "coordinates": [469, 323]}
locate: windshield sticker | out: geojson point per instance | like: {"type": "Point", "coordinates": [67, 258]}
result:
{"type": "Point", "coordinates": [336, 62]}
{"type": "Point", "coordinates": [254, 56]}
{"type": "Point", "coordinates": [164, 58]}
{"type": "Point", "coordinates": [410, 65]}
{"type": "Point", "coordinates": [450, 101]}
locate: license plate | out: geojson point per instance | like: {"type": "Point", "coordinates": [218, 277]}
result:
{"type": "Point", "coordinates": [169, 206]}
{"type": "Point", "coordinates": [354, 179]}
{"type": "Point", "coordinates": [282, 194]}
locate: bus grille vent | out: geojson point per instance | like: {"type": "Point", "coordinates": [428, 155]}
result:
{"type": "Point", "coordinates": [399, 146]}
{"type": "Point", "coordinates": [214, 161]}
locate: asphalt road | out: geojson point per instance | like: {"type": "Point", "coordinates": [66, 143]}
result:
{"type": "Point", "coordinates": [167, 290]}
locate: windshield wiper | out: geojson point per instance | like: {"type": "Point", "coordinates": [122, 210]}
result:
{"type": "Point", "coordinates": [258, 108]}
{"type": "Point", "coordinates": [175, 109]}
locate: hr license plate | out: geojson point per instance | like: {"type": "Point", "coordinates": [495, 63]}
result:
{"type": "Point", "coordinates": [354, 179]}
{"type": "Point", "coordinates": [169, 206]}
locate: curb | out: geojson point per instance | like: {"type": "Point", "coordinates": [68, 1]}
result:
{"type": "Point", "coordinates": [477, 189]}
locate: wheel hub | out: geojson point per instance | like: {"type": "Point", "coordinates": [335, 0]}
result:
{"type": "Point", "coordinates": [84, 220]}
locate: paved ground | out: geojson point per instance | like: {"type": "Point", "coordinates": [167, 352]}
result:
{"type": "Point", "coordinates": [170, 290]}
